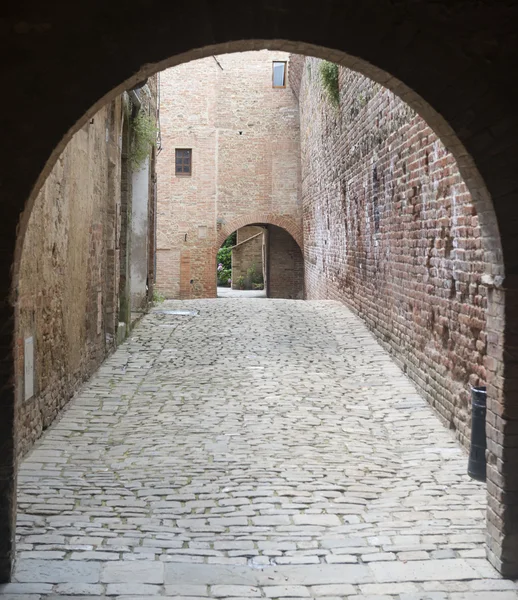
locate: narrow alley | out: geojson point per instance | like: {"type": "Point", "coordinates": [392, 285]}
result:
{"type": "Point", "coordinates": [265, 448]}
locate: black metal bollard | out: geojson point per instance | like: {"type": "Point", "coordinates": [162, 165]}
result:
{"type": "Point", "coordinates": [477, 453]}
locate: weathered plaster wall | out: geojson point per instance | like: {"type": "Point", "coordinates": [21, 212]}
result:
{"type": "Point", "coordinates": [68, 294]}
{"type": "Point", "coordinates": [390, 229]}
{"type": "Point", "coordinates": [244, 136]}
{"type": "Point", "coordinates": [139, 237]}
{"type": "Point", "coordinates": [66, 285]}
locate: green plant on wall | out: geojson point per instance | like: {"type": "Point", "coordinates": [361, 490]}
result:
{"type": "Point", "coordinates": [329, 79]}
{"type": "Point", "coordinates": [143, 137]}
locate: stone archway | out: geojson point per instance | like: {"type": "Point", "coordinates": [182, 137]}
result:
{"type": "Point", "coordinates": [451, 79]}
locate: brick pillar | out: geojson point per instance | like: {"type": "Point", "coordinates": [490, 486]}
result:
{"type": "Point", "coordinates": [502, 429]}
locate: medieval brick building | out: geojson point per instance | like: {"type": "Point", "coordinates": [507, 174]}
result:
{"type": "Point", "coordinates": [230, 158]}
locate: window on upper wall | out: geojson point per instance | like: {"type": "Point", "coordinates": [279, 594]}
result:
{"type": "Point", "coordinates": [183, 161]}
{"type": "Point", "coordinates": [279, 74]}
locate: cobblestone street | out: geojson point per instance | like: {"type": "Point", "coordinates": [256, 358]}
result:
{"type": "Point", "coordinates": [252, 448]}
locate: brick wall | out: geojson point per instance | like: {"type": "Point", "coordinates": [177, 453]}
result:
{"type": "Point", "coordinates": [285, 265]}
{"type": "Point", "coordinates": [390, 229]}
{"type": "Point", "coordinates": [244, 137]}
{"type": "Point", "coordinates": [248, 253]}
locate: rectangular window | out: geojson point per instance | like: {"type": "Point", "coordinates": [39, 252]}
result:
{"type": "Point", "coordinates": [183, 161]}
{"type": "Point", "coordinates": [279, 74]}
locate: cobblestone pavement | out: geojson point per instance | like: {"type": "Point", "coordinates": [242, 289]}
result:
{"type": "Point", "coordinates": [265, 448]}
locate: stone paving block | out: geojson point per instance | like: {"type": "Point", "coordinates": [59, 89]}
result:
{"type": "Point", "coordinates": [493, 584]}
{"type": "Point", "coordinates": [286, 591]}
{"type": "Point", "coordinates": [332, 590]}
{"type": "Point", "coordinates": [25, 588]}
{"type": "Point", "coordinates": [100, 556]}
{"type": "Point", "coordinates": [379, 556]}
{"type": "Point", "coordinates": [79, 589]}
{"type": "Point", "coordinates": [483, 568]}
{"type": "Point", "coordinates": [389, 588]}
{"type": "Point", "coordinates": [181, 589]}
{"type": "Point", "coordinates": [341, 559]}
{"type": "Point", "coordinates": [142, 571]}
{"type": "Point", "coordinates": [242, 591]}
{"type": "Point", "coordinates": [41, 554]}
{"type": "Point", "coordinates": [10, 596]}
{"type": "Point", "coordinates": [132, 589]}
{"type": "Point", "coordinates": [54, 571]}
{"type": "Point", "coordinates": [243, 575]}
{"type": "Point", "coordinates": [417, 570]}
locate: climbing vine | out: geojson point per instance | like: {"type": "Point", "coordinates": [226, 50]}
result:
{"type": "Point", "coordinates": [144, 132]}
{"type": "Point", "coordinates": [329, 78]}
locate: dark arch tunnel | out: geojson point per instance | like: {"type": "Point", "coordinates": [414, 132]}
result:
{"type": "Point", "coordinates": [451, 63]}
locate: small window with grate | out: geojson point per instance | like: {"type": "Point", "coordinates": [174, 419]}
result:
{"type": "Point", "coordinates": [183, 161]}
{"type": "Point", "coordinates": [279, 74]}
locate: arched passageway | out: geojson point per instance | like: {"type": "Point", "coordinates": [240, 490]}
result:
{"type": "Point", "coordinates": [265, 256]}
{"type": "Point", "coordinates": [452, 78]}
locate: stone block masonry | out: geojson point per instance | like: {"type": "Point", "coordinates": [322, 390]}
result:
{"type": "Point", "coordinates": [391, 230]}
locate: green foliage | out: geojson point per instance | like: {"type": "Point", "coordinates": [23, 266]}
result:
{"type": "Point", "coordinates": [224, 260]}
{"type": "Point", "coordinates": [225, 257]}
{"type": "Point", "coordinates": [253, 280]}
{"type": "Point", "coordinates": [329, 79]}
{"type": "Point", "coordinates": [230, 241]}
{"type": "Point", "coordinates": [143, 137]}
{"type": "Point", "coordinates": [224, 265]}
{"type": "Point", "coordinates": [158, 298]}
{"type": "Point", "coordinates": [224, 277]}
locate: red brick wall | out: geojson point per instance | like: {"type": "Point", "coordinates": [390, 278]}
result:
{"type": "Point", "coordinates": [285, 265]}
{"type": "Point", "coordinates": [244, 136]}
{"type": "Point", "coordinates": [390, 229]}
